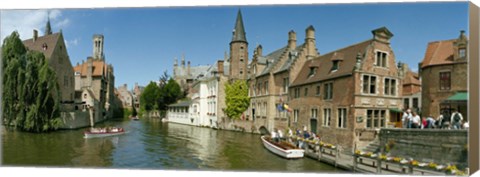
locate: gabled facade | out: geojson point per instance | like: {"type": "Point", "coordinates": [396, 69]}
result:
{"type": "Point", "coordinates": [346, 95]}
{"type": "Point", "coordinates": [52, 45]}
{"type": "Point", "coordinates": [270, 77]}
{"type": "Point", "coordinates": [444, 74]}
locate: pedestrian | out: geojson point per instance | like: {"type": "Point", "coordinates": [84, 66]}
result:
{"type": "Point", "coordinates": [415, 120]}
{"type": "Point", "coordinates": [465, 125]}
{"type": "Point", "coordinates": [439, 121]}
{"type": "Point", "coordinates": [405, 118]}
{"type": "Point", "coordinates": [424, 123]}
{"type": "Point", "coordinates": [456, 119]}
{"type": "Point", "coordinates": [430, 122]}
{"type": "Point", "coordinates": [446, 120]}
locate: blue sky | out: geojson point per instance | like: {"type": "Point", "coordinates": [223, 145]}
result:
{"type": "Point", "coordinates": [141, 43]}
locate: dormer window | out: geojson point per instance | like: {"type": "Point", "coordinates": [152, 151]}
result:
{"type": "Point", "coordinates": [335, 65]}
{"type": "Point", "coordinates": [312, 72]}
{"type": "Point", "coordinates": [462, 53]}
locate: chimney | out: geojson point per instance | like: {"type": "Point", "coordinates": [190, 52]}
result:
{"type": "Point", "coordinates": [188, 68]}
{"type": "Point", "coordinates": [310, 42]}
{"type": "Point", "coordinates": [259, 50]}
{"type": "Point", "coordinates": [220, 66]}
{"type": "Point", "coordinates": [183, 60]}
{"type": "Point", "coordinates": [35, 35]}
{"type": "Point", "coordinates": [292, 40]}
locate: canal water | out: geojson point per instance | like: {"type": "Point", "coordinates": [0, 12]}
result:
{"type": "Point", "coordinates": [150, 144]}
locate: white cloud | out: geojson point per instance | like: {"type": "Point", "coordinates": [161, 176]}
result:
{"type": "Point", "coordinates": [25, 21]}
{"type": "Point", "coordinates": [73, 42]}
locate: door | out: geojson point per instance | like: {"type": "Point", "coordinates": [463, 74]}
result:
{"type": "Point", "coordinates": [313, 125]}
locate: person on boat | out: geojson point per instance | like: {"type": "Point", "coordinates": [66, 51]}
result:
{"type": "Point", "coordinates": [280, 135]}
{"type": "Point", "coordinates": [274, 135]}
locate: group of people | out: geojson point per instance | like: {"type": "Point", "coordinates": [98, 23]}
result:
{"type": "Point", "coordinates": [443, 121]}
{"type": "Point", "coordinates": [278, 135]}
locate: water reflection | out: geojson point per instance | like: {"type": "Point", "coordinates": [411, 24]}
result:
{"type": "Point", "coordinates": [150, 144]}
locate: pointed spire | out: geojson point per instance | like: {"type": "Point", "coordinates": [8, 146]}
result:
{"type": "Point", "coordinates": [239, 30]}
{"type": "Point", "coordinates": [48, 28]}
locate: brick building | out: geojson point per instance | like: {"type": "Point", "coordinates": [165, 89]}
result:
{"type": "Point", "coordinates": [412, 89]}
{"type": "Point", "coordinates": [270, 76]}
{"type": "Point", "coordinates": [346, 95]}
{"type": "Point", "coordinates": [444, 76]}
{"type": "Point", "coordinates": [98, 77]}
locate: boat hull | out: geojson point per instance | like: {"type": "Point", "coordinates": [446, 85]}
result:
{"type": "Point", "coordinates": [99, 135]}
{"type": "Point", "coordinates": [285, 153]}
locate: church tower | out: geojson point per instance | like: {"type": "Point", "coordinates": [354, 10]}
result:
{"type": "Point", "coordinates": [98, 47]}
{"type": "Point", "coordinates": [238, 50]}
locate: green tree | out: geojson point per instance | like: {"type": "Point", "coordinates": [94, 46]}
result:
{"type": "Point", "coordinates": [170, 93]}
{"type": "Point", "coordinates": [149, 97]}
{"type": "Point", "coordinates": [236, 98]}
{"type": "Point", "coordinates": [31, 102]}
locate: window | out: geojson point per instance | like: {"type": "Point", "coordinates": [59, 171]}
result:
{"type": "Point", "coordinates": [461, 53]}
{"type": "Point", "coordinates": [406, 103]}
{"type": "Point", "coordinates": [376, 118]}
{"type": "Point", "coordinates": [297, 92]}
{"type": "Point", "coordinates": [318, 90]}
{"type": "Point", "coordinates": [266, 87]}
{"type": "Point", "coordinates": [306, 91]}
{"type": "Point", "coordinates": [390, 85]}
{"type": "Point", "coordinates": [241, 59]}
{"type": "Point", "coordinates": [415, 102]}
{"type": "Point", "coordinates": [314, 113]}
{"type": "Point", "coordinates": [285, 85]}
{"type": "Point", "coordinates": [312, 72]}
{"type": "Point", "coordinates": [241, 72]}
{"type": "Point", "coordinates": [335, 65]}
{"type": "Point", "coordinates": [342, 118]}
{"type": "Point", "coordinates": [326, 117]}
{"type": "Point", "coordinates": [328, 88]}
{"type": "Point", "coordinates": [295, 115]}
{"type": "Point", "coordinates": [369, 84]}
{"type": "Point", "coordinates": [381, 59]}
{"type": "Point", "coordinates": [259, 89]}
{"type": "Point", "coordinates": [445, 80]}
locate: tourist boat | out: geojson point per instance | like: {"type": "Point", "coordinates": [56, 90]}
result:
{"type": "Point", "coordinates": [283, 149]}
{"type": "Point", "coordinates": [135, 118]}
{"type": "Point", "coordinates": [103, 132]}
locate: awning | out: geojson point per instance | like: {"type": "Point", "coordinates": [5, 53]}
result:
{"type": "Point", "coordinates": [395, 110]}
{"type": "Point", "coordinates": [459, 96]}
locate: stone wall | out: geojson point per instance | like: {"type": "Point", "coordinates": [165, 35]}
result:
{"type": "Point", "coordinates": [73, 120]}
{"type": "Point", "coordinates": [439, 146]}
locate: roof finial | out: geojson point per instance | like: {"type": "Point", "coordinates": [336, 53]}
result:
{"type": "Point", "coordinates": [48, 28]}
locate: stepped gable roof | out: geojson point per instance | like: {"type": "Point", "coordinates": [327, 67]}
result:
{"type": "Point", "coordinates": [49, 40]}
{"type": "Point", "coordinates": [324, 64]}
{"type": "Point", "coordinates": [99, 67]}
{"type": "Point", "coordinates": [438, 53]}
{"type": "Point", "coordinates": [272, 59]}
{"type": "Point", "coordinates": [290, 61]}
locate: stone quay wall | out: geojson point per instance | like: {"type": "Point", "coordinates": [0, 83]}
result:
{"type": "Point", "coordinates": [437, 145]}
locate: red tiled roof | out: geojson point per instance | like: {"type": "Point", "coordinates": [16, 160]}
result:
{"type": "Point", "coordinates": [324, 64]}
{"type": "Point", "coordinates": [439, 52]}
{"type": "Point", "coordinates": [99, 67]}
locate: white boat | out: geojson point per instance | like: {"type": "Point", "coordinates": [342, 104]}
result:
{"type": "Point", "coordinates": [164, 120]}
{"type": "Point", "coordinates": [282, 149]}
{"type": "Point", "coordinates": [103, 132]}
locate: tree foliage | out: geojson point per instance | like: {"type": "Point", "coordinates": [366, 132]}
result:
{"type": "Point", "coordinates": [237, 99]}
{"type": "Point", "coordinates": [31, 94]}
{"type": "Point", "coordinates": [170, 93]}
{"type": "Point", "coordinates": [149, 97]}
